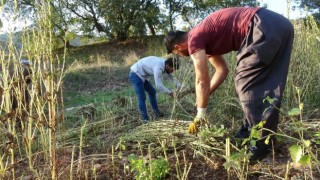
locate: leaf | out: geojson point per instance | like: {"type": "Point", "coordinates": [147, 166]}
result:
{"type": "Point", "coordinates": [294, 112]}
{"type": "Point", "coordinates": [245, 141]}
{"type": "Point", "coordinates": [120, 155]}
{"type": "Point", "coordinates": [262, 123]}
{"type": "Point", "coordinates": [305, 160]}
{"type": "Point", "coordinates": [307, 143]}
{"type": "Point", "coordinates": [267, 140]}
{"type": "Point", "coordinates": [227, 165]}
{"type": "Point", "coordinates": [254, 134]}
{"type": "Point", "coordinates": [301, 106]}
{"type": "Point", "coordinates": [253, 142]}
{"type": "Point", "coordinates": [270, 100]}
{"type": "Point", "coordinates": [298, 90]}
{"type": "Point", "coordinates": [132, 157]}
{"type": "Point", "coordinates": [295, 152]}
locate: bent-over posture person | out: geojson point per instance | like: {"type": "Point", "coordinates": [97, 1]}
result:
{"type": "Point", "coordinates": [25, 79]}
{"type": "Point", "coordinates": [263, 40]}
{"type": "Point", "coordinates": [19, 79]}
{"type": "Point", "coordinates": [139, 74]}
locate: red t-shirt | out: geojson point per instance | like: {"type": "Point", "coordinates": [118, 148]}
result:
{"type": "Point", "coordinates": [222, 31]}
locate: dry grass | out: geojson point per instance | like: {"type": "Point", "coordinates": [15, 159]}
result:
{"type": "Point", "coordinates": [130, 58]}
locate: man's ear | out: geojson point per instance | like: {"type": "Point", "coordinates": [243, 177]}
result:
{"type": "Point", "coordinates": [177, 46]}
{"type": "Point", "coordinates": [181, 46]}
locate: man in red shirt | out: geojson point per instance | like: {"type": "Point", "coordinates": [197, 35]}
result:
{"type": "Point", "coordinates": [263, 40]}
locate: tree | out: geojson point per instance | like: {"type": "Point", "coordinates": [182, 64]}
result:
{"type": "Point", "coordinates": [118, 19]}
{"type": "Point", "coordinates": [174, 8]}
{"type": "Point", "coordinates": [133, 17]}
{"type": "Point", "coordinates": [86, 15]}
{"type": "Point", "coordinates": [123, 15]}
{"type": "Point", "coordinates": [60, 19]}
{"type": "Point", "coordinates": [115, 18]}
{"type": "Point", "coordinates": [313, 6]}
{"type": "Point", "coordinates": [192, 11]}
{"type": "Point", "coordinates": [62, 22]}
{"type": "Point", "coordinates": [153, 17]}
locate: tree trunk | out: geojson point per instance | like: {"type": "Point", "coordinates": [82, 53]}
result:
{"type": "Point", "coordinates": [151, 28]}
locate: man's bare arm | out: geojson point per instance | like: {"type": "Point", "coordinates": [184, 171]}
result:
{"type": "Point", "coordinates": [221, 71]}
{"type": "Point", "coordinates": [202, 78]}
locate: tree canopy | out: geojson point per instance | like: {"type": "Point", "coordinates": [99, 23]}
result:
{"type": "Point", "coordinates": [121, 19]}
{"type": "Point", "coordinates": [312, 6]}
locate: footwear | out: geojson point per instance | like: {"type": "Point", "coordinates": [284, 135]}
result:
{"type": "Point", "coordinates": [242, 133]}
{"type": "Point", "coordinates": [145, 121]}
{"type": "Point", "coordinates": [159, 114]}
{"type": "Point", "coordinates": [259, 153]}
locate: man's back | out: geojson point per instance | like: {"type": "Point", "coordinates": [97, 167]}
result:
{"type": "Point", "coordinates": [148, 66]}
{"type": "Point", "coordinates": [222, 31]}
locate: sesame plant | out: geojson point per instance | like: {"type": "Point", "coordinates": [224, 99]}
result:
{"type": "Point", "coordinates": [30, 113]}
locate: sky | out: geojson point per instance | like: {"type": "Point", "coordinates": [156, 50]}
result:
{"type": "Point", "coordinates": [279, 6]}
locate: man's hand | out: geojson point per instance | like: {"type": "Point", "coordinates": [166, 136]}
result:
{"type": "Point", "coordinates": [182, 93]}
{"type": "Point", "coordinates": [197, 125]}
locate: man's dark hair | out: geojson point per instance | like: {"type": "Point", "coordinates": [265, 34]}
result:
{"type": "Point", "coordinates": [173, 62]}
{"type": "Point", "coordinates": [172, 38]}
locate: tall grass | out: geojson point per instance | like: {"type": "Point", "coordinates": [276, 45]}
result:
{"type": "Point", "coordinates": [32, 125]}
{"type": "Point", "coordinates": [305, 63]}
{"type": "Point", "coordinates": [130, 59]}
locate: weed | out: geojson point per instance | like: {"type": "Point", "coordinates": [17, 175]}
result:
{"type": "Point", "coordinates": [148, 169]}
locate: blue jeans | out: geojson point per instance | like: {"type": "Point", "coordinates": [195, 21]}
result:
{"type": "Point", "coordinates": [140, 87]}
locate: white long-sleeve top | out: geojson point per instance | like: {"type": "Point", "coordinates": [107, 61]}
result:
{"type": "Point", "coordinates": [154, 66]}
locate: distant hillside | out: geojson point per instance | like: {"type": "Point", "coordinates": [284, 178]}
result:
{"type": "Point", "coordinates": [114, 51]}
{"type": "Point", "coordinates": [84, 49]}
{"type": "Point", "coordinates": [76, 42]}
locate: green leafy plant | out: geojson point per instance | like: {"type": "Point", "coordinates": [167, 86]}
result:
{"type": "Point", "coordinates": [138, 165]}
{"type": "Point", "coordinates": [234, 160]}
{"type": "Point", "coordinates": [296, 153]}
{"type": "Point", "coordinates": [255, 134]}
{"type": "Point", "coordinates": [158, 168]}
{"type": "Point", "coordinates": [213, 131]}
{"type": "Point", "coordinates": [121, 147]}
